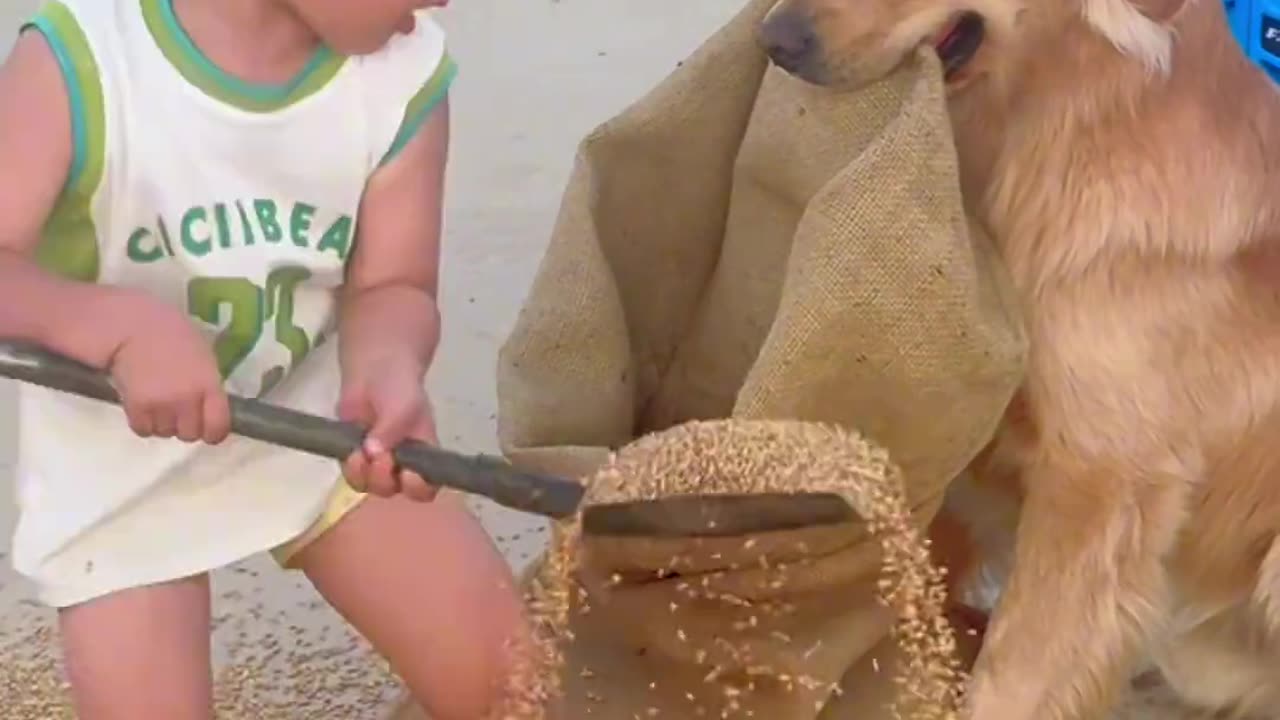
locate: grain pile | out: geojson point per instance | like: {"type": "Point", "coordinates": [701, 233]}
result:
{"type": "Point", "coordinates": [735, 457]}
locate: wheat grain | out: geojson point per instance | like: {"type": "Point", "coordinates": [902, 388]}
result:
{"type": "Point", "coordinates": [735, 457]}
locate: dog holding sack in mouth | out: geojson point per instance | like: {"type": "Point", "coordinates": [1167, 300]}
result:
{"type": "Point", "coordinates": [1125, 156]}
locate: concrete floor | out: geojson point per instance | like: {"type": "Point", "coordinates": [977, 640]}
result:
{"type": "Point", "coordinates": [535, 77]}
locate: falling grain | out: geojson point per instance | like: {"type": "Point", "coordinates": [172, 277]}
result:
{"type": "Point", "coordinates": [734, 457]}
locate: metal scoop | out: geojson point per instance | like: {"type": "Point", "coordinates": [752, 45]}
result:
{"type": "Point", "coordinates": [720, 515]}
{"type": "Point", "coordinates": [491, 477]}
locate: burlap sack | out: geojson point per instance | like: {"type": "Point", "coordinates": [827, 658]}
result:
{"type": "Point", "coordinates": [751, 626]}
{"type": "Point", "coordinates": [740, 244]}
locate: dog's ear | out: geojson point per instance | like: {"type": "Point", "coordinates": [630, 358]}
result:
{"type": "Point", "coordinates": [1161, 11]}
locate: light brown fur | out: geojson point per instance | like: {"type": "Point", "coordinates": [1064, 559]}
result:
{"type": "Point", "coordinates": [1126, 157]}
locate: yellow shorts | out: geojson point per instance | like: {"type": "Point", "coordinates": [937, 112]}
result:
{"type": "Point", "coordinates": [341, 501]}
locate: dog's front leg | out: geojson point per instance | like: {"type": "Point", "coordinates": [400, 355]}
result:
{"type": "Point", "coordinates": [1086, 590]}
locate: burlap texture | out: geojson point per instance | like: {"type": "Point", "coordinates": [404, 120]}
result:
{"type": "Point", "coordinates": [740, 244]}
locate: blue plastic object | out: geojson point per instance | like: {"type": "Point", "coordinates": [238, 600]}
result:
{"type": "Point", "coordinates": [1256, 24]}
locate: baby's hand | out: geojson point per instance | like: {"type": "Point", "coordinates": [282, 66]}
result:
{"type": "Point", "coordinates": [387, 398]}
{"type": "Point", "coordinates": [168, 377]}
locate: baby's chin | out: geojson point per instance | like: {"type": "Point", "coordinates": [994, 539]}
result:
{"type": "Point", "coordinates": [407, 25]}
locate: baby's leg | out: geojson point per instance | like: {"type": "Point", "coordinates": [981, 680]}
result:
{"type": "Point", "coordinates": [424, 583]}
{"type": "Point", "coordinates": [141, 653]}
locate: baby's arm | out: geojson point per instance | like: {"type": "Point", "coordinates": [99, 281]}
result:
{"type": "Point", "coordinates": [389, 322]}
{"type": "Point", "coordinates": [389, 302]}
{"type": "Point", "coordinates": [77, 319]}
{"type": "Point", "coordinates": [140, 340]}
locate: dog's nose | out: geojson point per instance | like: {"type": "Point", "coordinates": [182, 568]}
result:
{"type": "Point", "coordinates": [789, 39]}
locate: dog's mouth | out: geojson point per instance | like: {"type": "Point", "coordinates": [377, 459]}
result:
{"type": "Point", "coordinates": [958, 42]}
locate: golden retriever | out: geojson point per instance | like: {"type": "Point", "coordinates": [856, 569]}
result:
{"type": "Point", "coordinates": [1126, 157]}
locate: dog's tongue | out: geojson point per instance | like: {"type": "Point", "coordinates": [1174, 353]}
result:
{"type": "Point", "coordinates": [946, 36]}
{"type": "Point", "coordinates": [947, 44]}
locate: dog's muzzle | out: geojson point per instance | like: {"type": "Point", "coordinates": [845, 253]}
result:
{"type": "Point", "coordinates": [791, 42]}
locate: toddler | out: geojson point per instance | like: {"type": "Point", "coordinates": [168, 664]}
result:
{"type": "Point", "coordinates": [213, 196]}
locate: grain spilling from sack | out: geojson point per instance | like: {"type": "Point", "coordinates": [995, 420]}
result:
{"type": "Point", "coordinates": [736, 457]}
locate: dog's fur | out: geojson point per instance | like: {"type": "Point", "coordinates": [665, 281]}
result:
{"type": "Point", "coordinates": [1126, 157]}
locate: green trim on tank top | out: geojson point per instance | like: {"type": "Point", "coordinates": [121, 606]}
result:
{"type": "Point", "coordinates": [69, 246]}
{"type": "Point", "coordinates": [196, 68]}
{"type": "Point", "coordinates": [421, 104]}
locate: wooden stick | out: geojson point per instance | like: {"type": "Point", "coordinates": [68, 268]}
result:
{"type": "Point", "coordinates": [484, 475]}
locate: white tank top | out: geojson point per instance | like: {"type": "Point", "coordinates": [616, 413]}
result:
{"type": "Point", "coordinates": [238, 204]}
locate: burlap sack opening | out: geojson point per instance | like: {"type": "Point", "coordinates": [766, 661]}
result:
{"type": "Point", "coordinates": [739, 244]}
